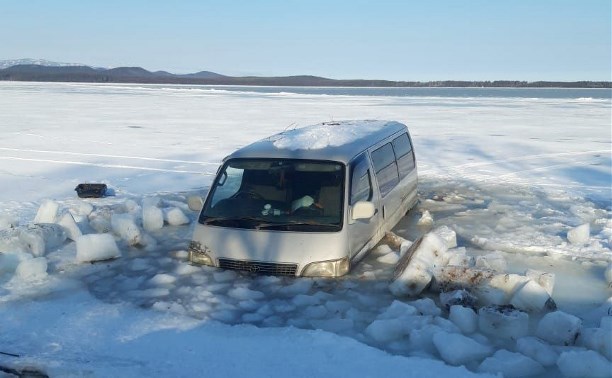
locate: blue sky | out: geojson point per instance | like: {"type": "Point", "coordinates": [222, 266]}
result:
{"type": "Point", "coordinates": [395, 40]}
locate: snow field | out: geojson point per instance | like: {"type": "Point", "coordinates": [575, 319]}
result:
{"type": "Point", "coordinates": [505, 186]}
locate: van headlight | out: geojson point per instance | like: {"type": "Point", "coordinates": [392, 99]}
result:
{"type": "Point", "coordinates": [331, 268]}
{"type": "Point", "coordinates": [199, 255]}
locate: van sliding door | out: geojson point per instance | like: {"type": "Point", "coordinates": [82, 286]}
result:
{"type": "Point", "coordinates": [362, 232]}
{"type": "Point", "coordinates": [387, 177]}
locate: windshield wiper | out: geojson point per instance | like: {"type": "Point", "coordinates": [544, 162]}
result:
{"type": "Point", "coordinates": [263, 224]}
{"type": "Point", "coordinates": [209, 220]}
{"type": "Point", "coordinates": [295, 224]}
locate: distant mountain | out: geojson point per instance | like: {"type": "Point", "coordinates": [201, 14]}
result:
{"type": "Point", "coordinates": [43, 70]}
{"type": "Point", "coordinates": [128, 72]}
{"type": "Point", "coordinates": [39, 62]}
{"type": "Point", "coordinates": [204, 75]}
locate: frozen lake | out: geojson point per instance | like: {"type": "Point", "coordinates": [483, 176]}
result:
{"type": "Point", "coordinates": [510, 175]}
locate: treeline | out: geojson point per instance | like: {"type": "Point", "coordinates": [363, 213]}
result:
{"type": "Point", "coordinates": [32, 72]}
{"type": "Point", "coordinates": [520, 84]}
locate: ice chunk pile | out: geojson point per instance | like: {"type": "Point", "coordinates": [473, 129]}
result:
{"type": "Point", "coordinates": [36, 239]}
{"type": "Point", "coordinates": [55, 223]}
{"type": "Point", "coordinates": [428, 260]}
{"type": "Point", "coordinates": [414, 271]}
{"type": "Point", "coordinates": [496, 339]}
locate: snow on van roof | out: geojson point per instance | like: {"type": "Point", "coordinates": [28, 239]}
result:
{"type": "Point", "coordinates": [326, 134]}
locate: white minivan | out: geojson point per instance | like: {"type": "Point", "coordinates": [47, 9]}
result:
{"type": "Point", "coordinates": [307, 202]}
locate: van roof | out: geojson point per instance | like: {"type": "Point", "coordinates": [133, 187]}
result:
{"type": "Point", "coordinates": [336, 141]}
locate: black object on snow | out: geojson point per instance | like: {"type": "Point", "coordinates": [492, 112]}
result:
{"type": "Point", "coordinates": [91, 190]}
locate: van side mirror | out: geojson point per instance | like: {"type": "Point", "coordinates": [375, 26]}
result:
{"type": "Point", "coordinates": [363, 210]}
{"type": "Point", "coordinates": [195, 203]}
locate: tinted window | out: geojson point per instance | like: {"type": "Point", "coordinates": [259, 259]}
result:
{"type": "Point", "coordinates": [361, 184]}
{"type": "Point", "coordinates": [402, 145]}
{"type": "Point", "coordinates": [405, 157]}
{"type": "Point", "coordinates": [383, 157]}
{"type": "Point", "coordinates": [386, 168]}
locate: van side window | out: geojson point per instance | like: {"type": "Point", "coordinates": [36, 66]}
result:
{"type": "Point", "coordinates": [361, 183]}
{"type": "Point", "coordinates": [404, 155]}
{"type": "Point", "coordinates": [386, 168]}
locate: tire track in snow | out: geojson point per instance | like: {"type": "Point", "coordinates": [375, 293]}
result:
{"type": "Point", "coordinates": [100, 165]}
{"type": "Point", "coordinates": [107, 156]}
{"type": "Point", "coordinates": [62, 138]}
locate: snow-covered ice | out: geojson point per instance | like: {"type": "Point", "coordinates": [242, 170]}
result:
{"type": "Point", "coordinates": [152, 218]}
{"type": "Point", "coordinates": [580, 234]}
{"type": "Point", "coordinates": [70, 226]}
{"type": "Point", "coordinates": [32, 269]}
{"type": "Point", "coordinates": [584, 364]}
{"type": "Point", "coordinates": [503, 322]}
{"type": "Point", "coordinates": [47, 212]}
{"type": "Point", "coordinates": [457, 349]}
{"type": "Point", "coordinates": [532, 297]}
{"type": "Point", "coordinates": [498, 189]}
{"type": "Point", "coordinates": [538, 350]}
{"type": "Point", "coordinates": [464, 317]}
{"type": "Point", "coordinates": [608, 274]}
{"type": "Point", "coordinates": [8, 221]}
{"type": "Point", "coordinates": [175, 217]}
{"type": "Point", "coordinates": [511, 365]}
{"type": "Point", "coordinates": [96, 247]}
{"type": "Point", "coordinates": [125, 227]}
{"type": "Point", "coordinates": [428, 252]}
{"type": "Point", "coordinates": [494, 261]}
{"type": "Point", "coordinates": [559, 328]}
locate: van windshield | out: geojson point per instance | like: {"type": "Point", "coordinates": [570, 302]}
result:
{"type": "Point", "coordinates": [277, 194]}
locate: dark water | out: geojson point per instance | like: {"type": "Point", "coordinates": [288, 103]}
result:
{"type": "Point", "coordinates": [552, 93]}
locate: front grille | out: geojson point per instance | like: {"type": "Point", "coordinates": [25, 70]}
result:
{"type": "Point", "coordinates": [259, 267]}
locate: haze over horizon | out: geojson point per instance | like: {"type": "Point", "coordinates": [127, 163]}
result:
{"type": "Point", "coordinates": [388, 40]}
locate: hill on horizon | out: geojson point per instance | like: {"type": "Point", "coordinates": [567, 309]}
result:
{"type": "Point", "coordinates": [48, 71]}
